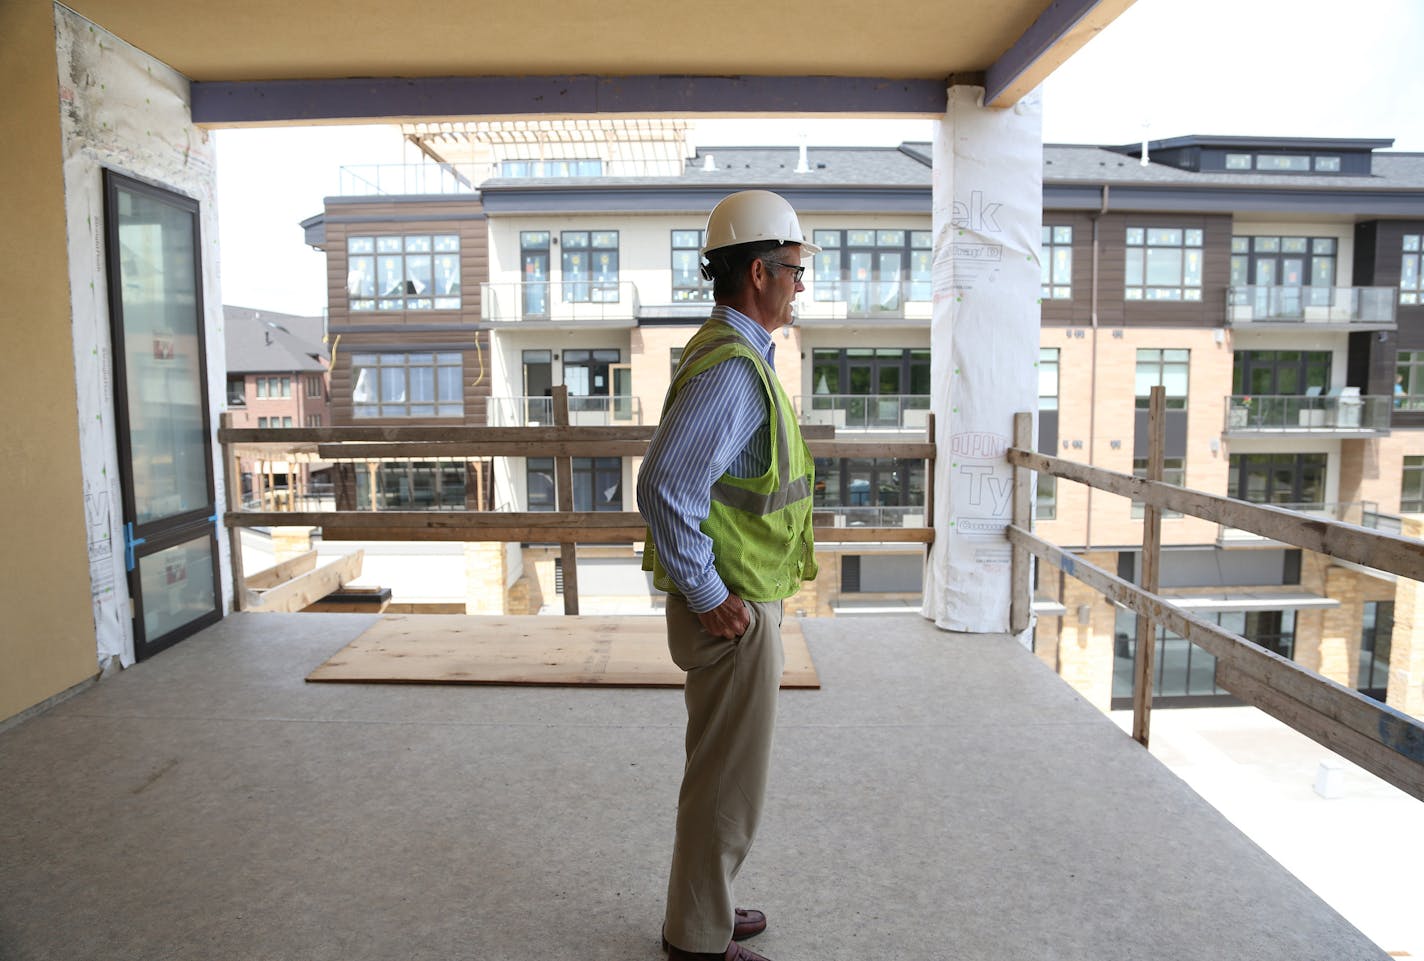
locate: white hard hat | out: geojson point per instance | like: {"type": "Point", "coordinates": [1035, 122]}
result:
{"type": "Point", "coordinates": [751, 215]}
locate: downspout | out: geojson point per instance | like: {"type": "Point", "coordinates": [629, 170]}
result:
{"type": "Point", "coordinates": [1093, 370]}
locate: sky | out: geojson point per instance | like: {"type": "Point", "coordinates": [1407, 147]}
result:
{"type": "Point", "coordinates": [1164, 68]}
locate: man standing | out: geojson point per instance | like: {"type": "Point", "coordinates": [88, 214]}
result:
{"type": "Point", "coordinates": [726, 492]}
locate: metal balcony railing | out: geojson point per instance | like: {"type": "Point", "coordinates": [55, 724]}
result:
{"type": "Point", "coordinates": [1295, 413]}
{"type": "Point", "coordinates": [564, 301]}
{"type": "Point", "coordinates": [583, 411]}
{"type": "Point", "coordinates": [1368, 308]}
{"type": "Point", "coordinates": [375, 180]}
{"type": "Point", "coordinates": [865, 411]}
{"type": "Point", "coordinates": [864, 300]}
{"type": "Point", "coordinates": [1359, 513]}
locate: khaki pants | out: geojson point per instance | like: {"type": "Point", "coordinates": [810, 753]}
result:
{"type": "Point", "coordinates": [731, 712]}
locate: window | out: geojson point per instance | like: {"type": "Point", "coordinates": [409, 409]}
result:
{"type": "Point", "coordinates": [1056, 262]}
{"type": "Point", "coordinates": [313, 385]}
{"type": "Point", "coordinates": [1184, 670]}
{"type": "Point", "coordinates": [1174, 472]}
{"type": "Point", "coordinates": [590, 266]}
{"type": "Point", "coordinates": [863, 387]}
{"type": "Point", "coordinates": [1267, 373]}
{"type": "Point", "coordinates": [237, 392]}
{"type": "Point", "coordinates": [598, 484]}
{"type": "Point", "coordinates": [586, 374]}
{"type": "Point", "coordinates": [407, 385]}
{"type": "Point", "coordinates": [1327, 165]}
{"type": "Point", "coordinates": [1411, 276]}
{"type": "Point", "coordinates": [313, 420]}
{"type": "Point", "coordinates": [1283, 163]}
{"type": "Point", "coordinates": [873, 271]}
{"type": "Point", "coordinates": [1165, 367]}
{"type": "Point", "coordinates": [415, 272]}
{"type": "Point", "coordinates": [1046, 498]}
{"type": "Point", "coordinates": [687, 283]}
{"type": "Point", "coordinates": [274, 422]}
{"type": "Point", "coordinates": [551, 168]}
{"type": "Point", "coordinates": [1376, 633]}
{"type": "Point", "coordinates": [274, 387]}
{"type": "Point", "coordinates": [1287, 274]}
{"type": "Point", "coordinates": [1164, 263]}
{"type": "Point", "coordinates": [1411, 487]}
{"type": "Point", "coordinates": [1238, 161]}
{"type": "Point", "coordinates": [1297, 480]}
{"type": "Point", "coordinates": [1409, 380]}
{"type": "Point", "coordinates": [415, 485]}
{"type": "Point", "coordinates": [534, 279]}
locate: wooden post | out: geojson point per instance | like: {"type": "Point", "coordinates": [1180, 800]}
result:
{"type": "Point", "coordinates": [232, 469]}
{"type": "Point", "coordinates": [564, 493]}
{"type": "Point", "coordinates": [1021, 597]}
{"type": "Point", "coordinates": [1151, 556]}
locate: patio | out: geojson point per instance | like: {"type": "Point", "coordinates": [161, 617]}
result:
{"type": "Point", "coordinates": [943, 796]}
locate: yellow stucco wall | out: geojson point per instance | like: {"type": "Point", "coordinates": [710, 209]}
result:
{"type": "Point", "coordinates": [47, 639]}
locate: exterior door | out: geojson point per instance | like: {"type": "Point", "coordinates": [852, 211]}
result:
{"type": "Point", "coordinates": [161, 407]}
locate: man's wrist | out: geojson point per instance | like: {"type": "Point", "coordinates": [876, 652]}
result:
{"type": "Point", "coordinates": [708, 596]}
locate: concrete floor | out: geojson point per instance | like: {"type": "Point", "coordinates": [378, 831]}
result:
{"type": "Point", "coordinates": [943, 797]}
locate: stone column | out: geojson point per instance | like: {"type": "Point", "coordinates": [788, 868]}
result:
{"type": "Point", "coordinates": [988, 214]}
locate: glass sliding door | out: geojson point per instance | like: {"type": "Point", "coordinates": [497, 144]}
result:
{"type": "Point", "coordinates": [152, 249]}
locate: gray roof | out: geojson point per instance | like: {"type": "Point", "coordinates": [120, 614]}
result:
{"type": "Point", "coordinates": [264, 341]}
{"type": "Point", "coordinates": [1070, 163]}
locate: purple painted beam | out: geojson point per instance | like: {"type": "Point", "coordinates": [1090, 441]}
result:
{"type": "Point", "coordinates": [277, 101]}
{"type": "Point", "coordinates": [1050, 28]}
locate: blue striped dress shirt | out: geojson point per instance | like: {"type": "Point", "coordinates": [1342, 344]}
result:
{"type": "Point", "coordinates": [717, 423]}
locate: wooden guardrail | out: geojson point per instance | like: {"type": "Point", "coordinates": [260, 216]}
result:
{"type": "Point", "coordinates": [1377, 737]}
{"type": "Point", "coordinates": [562, 442]}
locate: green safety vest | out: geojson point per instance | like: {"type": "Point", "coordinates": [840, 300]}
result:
{"type": "Point", "coordinates": [760, 526]}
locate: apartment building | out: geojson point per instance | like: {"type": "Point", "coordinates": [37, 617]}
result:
{"type": "Point", "coordinates": [1271, 286]}
{"type": "Point", "coordinates": [276, 377]}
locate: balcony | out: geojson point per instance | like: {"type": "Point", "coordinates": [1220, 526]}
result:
{"type": "Point", "coordinates": [1346, 414]}
{"type": "Point", "coordinates": [566, 303]}
{"type": "Point", "coordinates": [1339, 308]}
{"type": "Point", "coordinates": [865, 412]}
{"type": "Point", "coordinates": [948, 778]}
{"type": "Point", "coordinates": [890, 300]}
{"type": "Point", "coordinates": [583, 411]}
{"type": "Point", "coordinates": [423, 179]}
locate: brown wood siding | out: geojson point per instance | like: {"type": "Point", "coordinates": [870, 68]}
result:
{"type": "Point", "coordinates": [392, 331]}
{"type": "Point", "coordinates": [1389, 257]}
{"type": "Point", "coordinates": [1114, 310]}
{"type": "Point", "coordinates": [1078, 311]}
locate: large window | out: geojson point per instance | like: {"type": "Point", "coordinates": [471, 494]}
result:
{"type": "Point", "coordinates": [270, 387]}
{"type": "Point", "coordinates": [687, 283]}
{"type": "Point", "coordinates": [551, 168]}
{"type": "Point", "coordinates": [414, 486]}
{"type": "Point", "coordinates": [1297, 479]}
{"type": "Point", "coordinates": [590, 266]}
{"type": "Point", "coordinates": [1166, 367]}
{"type": "Point", "coordinates": [414, 272]}
{"type": "Point", "coordinates": [1409, 380]}
{"type": "Point", "coordinates": [407, 385]}
{"type": "Point", "coordinates": [586, 374]}
{"type": "Point", "coordinates": [1289, 273]}
{"type": "Point", "coordinates": [1164, 263]}
{"type": "Point", "coordinates": [873, 271]}
{"type": "Point", "coordinates": [1056, 261]}
{"type": "Point", "coordinates": [1376, 633]}
{"type": "Point", "coordinates": [1174, 471]}
{"type": "Point", "coordinates": [1411, 272]}
{"type": "Point", "coordinates": [1411, 487]}
{"type": "Point", "coordinates": [598, 484]}
{"type": "Point", "coordinates": [1185, 671]}
{"type": "Point", "coordinates": [865, 387]}
{"type": "Point", "coordinates": [1045, 506]}
{"type": "Point", "coordinates": [1266, 373]}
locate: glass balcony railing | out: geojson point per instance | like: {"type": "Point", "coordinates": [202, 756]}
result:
{"type": "Point", "coordinates": [566, 301]}
{"type": "Point", "coordinates": [864, 300]}
{"type": "Point", "coordinates": [1345, 413]}
{"type": "Point", "coordinates": [913, 516]}
{"type": "Point", "coordinates": [1367, 308]}
{"type": "Point", "coordinates": [583, 411]}
{"type": "Point", "coordinates": [375, 180]}
{"type": "Point", "coordinates": [865, 411]}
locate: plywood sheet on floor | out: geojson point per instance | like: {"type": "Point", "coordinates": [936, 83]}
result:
{"type": "Point", "coordinates": [582, 651]}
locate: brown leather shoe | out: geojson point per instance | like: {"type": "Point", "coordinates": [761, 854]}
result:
{"type": "Point", "coordinates": [734, 952]}
{"type": "Point", "coordinates": [746, 923]}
